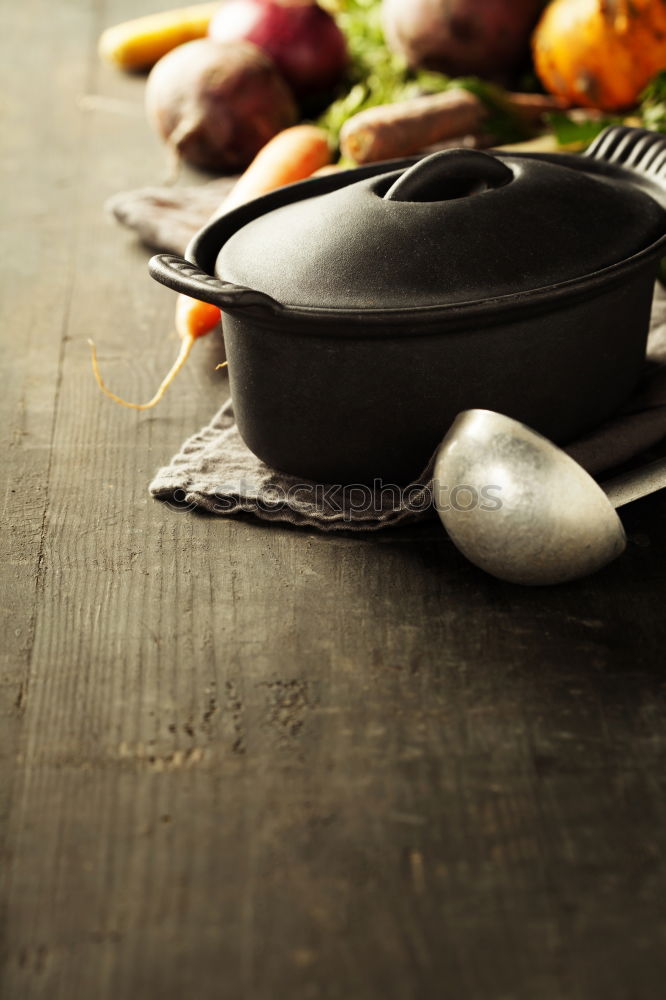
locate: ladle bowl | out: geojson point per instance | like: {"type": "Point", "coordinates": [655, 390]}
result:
{"type": "Point", "coordinates": [523, 510]}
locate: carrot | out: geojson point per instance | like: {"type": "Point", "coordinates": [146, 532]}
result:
{"type": "Point", "coordinates": [139, 43]}
{"type": "Point", "coordinates": [330, 168]}
{"type": "Point", "coordinates": [195, 318]}
{"type": "Point", "coordinates": [406, 127]}
{"type": "Point", "coordinates": [290, 156]}
{"type": "Point", "coordinates": [191, 314]}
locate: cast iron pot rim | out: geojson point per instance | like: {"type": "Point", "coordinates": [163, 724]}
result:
{"type": "Point", "coordinates": [460, 314]}
{"type": "Point", "coordinates": [452, 315]}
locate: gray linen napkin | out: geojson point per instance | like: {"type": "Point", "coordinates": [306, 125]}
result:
{"type": "Point", "coordinates": [166, 218]}
{"type": "Point", "coordinates": [215, 471]}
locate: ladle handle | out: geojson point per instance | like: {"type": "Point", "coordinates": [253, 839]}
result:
{"type": "Point", "coordinates": [638, 483]}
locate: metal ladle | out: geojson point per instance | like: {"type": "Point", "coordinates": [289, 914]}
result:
{"type": "Point", "coordinates": [522, 509]}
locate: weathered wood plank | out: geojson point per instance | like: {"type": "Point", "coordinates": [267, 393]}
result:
{"type": "Point", "coordinates": [256, 762]}
{"type": "Point", "coordinates": [40, 171]}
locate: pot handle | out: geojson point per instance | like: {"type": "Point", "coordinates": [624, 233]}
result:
{"type": "Point", "coordinates": [449, 173]}
{"type": "Point", "coordinates": [178, 274]}
{"type": "Point", "coordinates": [636, 149]}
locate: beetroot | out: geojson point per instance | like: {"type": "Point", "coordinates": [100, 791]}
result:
{"type": "Point", "coordinates": [217, 105]}
{"type": "Point", "coordinates": [482, 37]}
{"type": "Point", "coordinates": [302, 39]}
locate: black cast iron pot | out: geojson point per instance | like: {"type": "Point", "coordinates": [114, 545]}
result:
{"type": "Point", "coordinates": [364, 310]}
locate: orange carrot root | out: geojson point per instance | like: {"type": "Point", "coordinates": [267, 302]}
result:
{"type": "Point", "coordinates": [183, 354]}
{"type": "Point", "coordinates": [195, 318]}
{"type": "Point", "coordinates": [292, 155]}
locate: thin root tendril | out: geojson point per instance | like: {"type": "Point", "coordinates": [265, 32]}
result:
{"type": "Point", "coordinates": [183, 354]}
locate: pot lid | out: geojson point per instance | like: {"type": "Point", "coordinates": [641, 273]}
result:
{"type": "Point", "coordinates": [457, 226]}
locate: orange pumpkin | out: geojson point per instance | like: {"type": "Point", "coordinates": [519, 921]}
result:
{"type": "Point", "coordinates": [600, 53]}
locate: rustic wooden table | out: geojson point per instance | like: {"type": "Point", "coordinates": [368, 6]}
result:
{"type": "Point", "coordinates": [253, 762]}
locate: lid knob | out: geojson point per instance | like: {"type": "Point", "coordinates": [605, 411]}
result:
{"type": "Point", "coordinates": [451, 173]}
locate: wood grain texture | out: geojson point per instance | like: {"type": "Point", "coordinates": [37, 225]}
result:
{"type": "Point", "coordinates": [250, 762]}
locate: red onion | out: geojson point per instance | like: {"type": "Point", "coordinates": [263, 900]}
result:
{"type": "Point", "coordinates": [301, 38]}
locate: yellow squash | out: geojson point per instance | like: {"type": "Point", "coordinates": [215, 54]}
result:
{"type": "Point", "coordinates": [600, 53]}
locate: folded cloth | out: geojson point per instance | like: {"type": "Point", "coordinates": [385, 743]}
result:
{"type": "Point", "coordinates": [215, 471]}
{"type": "Point", "coordinates": [166, 218]}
